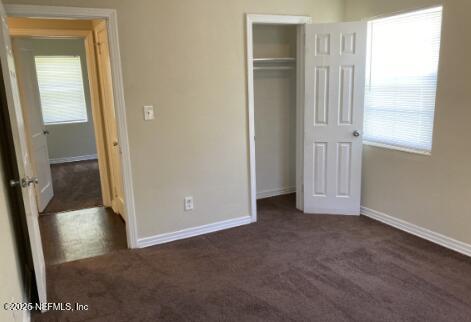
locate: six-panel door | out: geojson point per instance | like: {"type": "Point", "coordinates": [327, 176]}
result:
{"type": "Point", "coordinates": [334, 89]}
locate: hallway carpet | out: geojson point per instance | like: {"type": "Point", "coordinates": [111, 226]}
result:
{"type": "Point", "coordinates": [286, 267]}
{"type": "Point", "coordinates": [76, 186]}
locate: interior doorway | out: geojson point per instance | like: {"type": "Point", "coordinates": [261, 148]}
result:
{"type": "Point", "coordinates": [55, 95]}
{"type": "Point", "coordinates": [327, 100]}
{"type": "Point", "coordinates": [24, 181]}
{"type": "Point", "coordinates": [64, 78]}
{"type": "Point", "coordinates": [274, 48]}
{"type": "Point", "coordinates": [275, 52]}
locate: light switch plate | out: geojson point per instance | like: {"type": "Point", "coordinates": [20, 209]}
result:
{"type": "Point", "coordinates": [189, 203]}
{"type": "Point", "coordinates": [149, 112]}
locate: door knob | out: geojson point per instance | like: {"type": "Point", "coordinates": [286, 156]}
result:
{"type": "Point", "coordinates": [356, 133]}
{"type": "Point", "coordinates": [115, 143]}
{"type": "Point", "coordinates": [15, 183]}
{"type": "Point", "coordinates": [24, 182]}
{"type": "Point", "coordinates": [46, 132]}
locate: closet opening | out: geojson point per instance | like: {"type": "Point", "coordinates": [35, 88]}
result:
{"type": "Point", "coordinates": [276, 109]}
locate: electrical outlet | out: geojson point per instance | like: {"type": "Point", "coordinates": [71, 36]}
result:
{"type": "Point", "coordinates": [189, 203]}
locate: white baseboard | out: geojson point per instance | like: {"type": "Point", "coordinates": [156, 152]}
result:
{"type": "Point", "coordinates": [74, 159]}
{"type": "Point", "coordinates": [192, 232]}
{"type": "Point", "coordinates": [275, 192]}
{"type": "Point", "coordinates": [421, 232]}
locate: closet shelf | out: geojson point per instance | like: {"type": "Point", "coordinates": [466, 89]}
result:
{"type": "Point", "coordinates": [285, 63]}
{"type": "Point", "coordinates": [273, 68]}
{"type": "Point", "coordinates": [275, 60]}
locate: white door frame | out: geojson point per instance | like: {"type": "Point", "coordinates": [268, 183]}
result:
{"type": "Point", "coordinates": [110, 15]}
{"type": "Point", "coordinates": [300, 21]}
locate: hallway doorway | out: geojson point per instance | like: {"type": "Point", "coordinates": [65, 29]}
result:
{"type": "Point", "coordinates": [63, 73]}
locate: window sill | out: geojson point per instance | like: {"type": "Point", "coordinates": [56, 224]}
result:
{"type": "Point", "coordinates": [65, 123]}
{"type": "Point", "coordinates": [397, 148]}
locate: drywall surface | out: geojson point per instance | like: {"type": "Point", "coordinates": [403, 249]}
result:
{"type": "Point", "coordinates": [76, 139]}
{"type": "Point", "coordinates": [430, 191]}
{"type": "Point", "coordinates": [11, 281]}
{"type": "Point", "coordinates": [188, 59]}
{"type": "Point", "coordinates": [275, 111]}
{"type": "Point", "coordinates": [275, 41]}
{"type": "Point", "coordinates": [275, 130]}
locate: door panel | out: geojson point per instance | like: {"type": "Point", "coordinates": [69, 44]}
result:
{"type": "Point", "coordinates": [334, 95]}
{"type": "Point", "coordinates": [22, 155]}
{"type": "Point", "coordinates": [34, 124]}
{"type": "Point", "coordinates": [107, 99]}
{"type": "Point", "coordinates": [320, 169]}
{"type": "Point", "coordinates": [322, 96]}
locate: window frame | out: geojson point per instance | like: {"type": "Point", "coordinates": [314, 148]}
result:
{"type": "Point", "coordinates": [87, 117]}
{"type": "Point", "coordinates": [397, 148]}
{"type": "Point", "coordinates": [370, 21]}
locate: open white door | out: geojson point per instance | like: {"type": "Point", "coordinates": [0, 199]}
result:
{"type": "Point", "coordinates": [24, 164]}
{"type": "Point", "coordinates": [35, 129]}
{"type": "Point", "coordinates": [334, 95]}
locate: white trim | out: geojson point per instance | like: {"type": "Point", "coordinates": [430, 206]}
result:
{"type": "Point", "coordinates": [50, 12]}
{"type": "Point", "coordinates": [110, 16]}
{"type": "Point", "coordinates": [251, 104]}
{"type": "Point", "coordinates": [67, 122]}
{"type": "Point", "coordinates": [275, 192]}
{"type": "Point", "coordinates": [421, 232]}
{"type": "Point", "coordinates": [333, 212]}
{"type": "Point", "coordinates": [397, 148]}
{"type": "Point", "coordinates": [265, 19]}
{"type": "Point", "coordinates": [74, 159]}
{"type": "Point", "coordinates": [300, 53]}
{"type": "Point", "coordinates": [26, 316]}
{"type": "Point", "coordinates": [278, 19]}
{"type": "Point", "coordinates": [192, 232]}
{"type": "Point", "coordinates": [21, 315]}
{"type": "Point", "coordinates": [401, 12]}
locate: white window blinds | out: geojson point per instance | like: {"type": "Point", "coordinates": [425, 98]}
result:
{"type": "Point", "coordinates": [61, 89]}
{"type": "Point", "coordinates": [401, 82]}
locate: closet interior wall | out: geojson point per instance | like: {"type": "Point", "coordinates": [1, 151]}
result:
{"type": "Point", "coordinates": [274, 48]}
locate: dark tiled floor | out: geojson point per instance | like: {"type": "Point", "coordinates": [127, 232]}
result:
{"type": "Point", "coordinates": [76, 186]}
{"type": "Point", "coordinates": [85, 233]}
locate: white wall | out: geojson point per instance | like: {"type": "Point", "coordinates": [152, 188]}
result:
{"type": "Point", "coordinates": [11, 281]}
{"type": "Point", "coordinates": [275, 111]}
{"type": "Point", "coordinates": [429, 191]}
{"type": "Point", "coordinates": [188, 58]}
{"type": "Point", "coordinates": [274, 41]}
{"type": "Point", "coordinates": [68, 140]}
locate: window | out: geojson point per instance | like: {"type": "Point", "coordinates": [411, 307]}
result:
{"type": "Point", "coordinates": [401, 80]}
{"type": "Point", "coordinates": [61, 89]}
